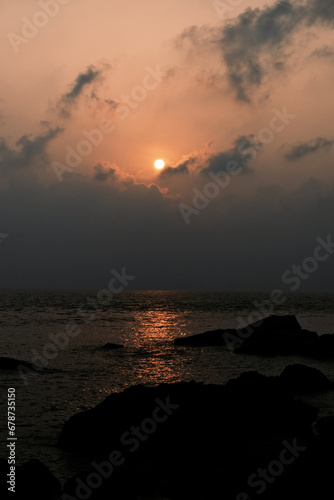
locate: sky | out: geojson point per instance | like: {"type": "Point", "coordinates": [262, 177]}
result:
{"type": "Point", "coordinates": [235, 96]}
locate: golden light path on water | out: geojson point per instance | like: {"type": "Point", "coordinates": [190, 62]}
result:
{"type": "Point", "coordinates": [153, 336]}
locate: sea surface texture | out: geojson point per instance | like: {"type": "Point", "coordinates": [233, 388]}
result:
{"type": "Point", "coordinates": [76, 373]}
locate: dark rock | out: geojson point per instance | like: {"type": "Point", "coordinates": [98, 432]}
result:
{"type": "Point", "coordinates": [33, 480]}
{"type": "Point", "coordinates": [326, 344]}
{"type": "Point", "coordinates": [188, 439]}
{"type": "Point", "coordinates": [303, 378]}
{"type": "Point", "coordinates": [279, 343]}
{"type": "Point", "coordinates": [325, 425]}
{"type": "Point", "coordinates": [14, 364]}
{"type": "Point", "coordinates": [272, 336]}
{"type": "Point", "coordinates": [110, 346]}
{"type": "Point", "coordinates": [251, 333]}
{"type": "Point", "coordinates": [272, 324]}
{"type": "Point", "coordinates": [119, 486]}
{"type": "Point", "coordinates": [323, 347]}
{"type": "Point", "coordinates": [36, 478]}
{"type": "Point", "coordinates": [308, 476]}
{"type": "Point", "coordinates": [214, 337]}
{"type": "Point", "coordinates": [275, 335]}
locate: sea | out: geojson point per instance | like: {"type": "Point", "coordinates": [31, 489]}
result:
{"type": "Point", "coordinates": [75, 373]}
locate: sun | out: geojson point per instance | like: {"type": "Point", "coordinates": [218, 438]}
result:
{"type": "Point", "coordinates": [159, 164]}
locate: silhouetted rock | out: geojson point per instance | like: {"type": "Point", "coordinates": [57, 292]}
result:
{"type": "Point", "coordinates": [213, 337]}
{"type": "Point", "coordinates": [279, 343]}
{"type": "Point", "coordinates": [255, 331]}
{"type": "Point", "coordinates": [301, 378]}
{"type": "Point", "coordinates": [188, 440]}
{"type": "Point", "coordinates": [322, 348]}
{"type": "Point", "coordinates": [272, 336]}
{"type": "Point", "coordinates": [325, 425]}
{"type": "Point", "coordinates": [271, 324]}
{"type": "Point", "coordinates": [309, 476]}
{"type": "Point", "coordinates": [14, 364]}
{"type": "Point", "coordinates": [33, 480]}
{"type": "Point", "coordinates": [110, 346]}
{"type": "Point", "coordinates": [36, 478]}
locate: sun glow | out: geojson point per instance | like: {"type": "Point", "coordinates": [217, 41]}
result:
{"type": "Point", "coordinates": [159, 164]}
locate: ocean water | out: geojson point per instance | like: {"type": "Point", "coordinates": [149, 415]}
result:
{"type": "Point", "coordinates": [77, 374]}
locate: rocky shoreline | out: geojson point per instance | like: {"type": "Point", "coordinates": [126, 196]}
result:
{"type": "Point", "coordinates": [270, 336]}
{"type": "Point", "coordinates": [252, 436]}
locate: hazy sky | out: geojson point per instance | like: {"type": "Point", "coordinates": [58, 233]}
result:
{"type": "Point", "coordinates": [236, 96]}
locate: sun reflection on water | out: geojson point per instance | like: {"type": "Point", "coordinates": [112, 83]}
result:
{"type": "Point", "coordinates": [155, 326]}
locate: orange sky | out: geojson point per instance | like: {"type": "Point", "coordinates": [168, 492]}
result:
{"type": "Point", "coordinates": [165, 79]}
{"type": "Point", "coordinates": [182, 115]}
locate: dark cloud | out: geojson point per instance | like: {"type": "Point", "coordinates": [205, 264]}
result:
{"type": "Point", "coordinates": [181, 168]}
{"type": "Point", "coordinates": [242, 153]}
{"type": "Point", "coordinates": [82, 81]}
{"type": "Point", "coordinates": [254, 44]}
{"type": "Point", "coordinates": [122, 223]}
{"type": "Point", "coordinates": [254, 33]}
{"type": "Point", "coordinates": [324, 51]}
{"type": "Point", "coordinates": [266, 32]}
{"type": "Point", "coordinates": [112, 105]}
{"type": "Point", "coordinates": [320, 10]}
{"type": "Point", "coordinates": [197, 36]}
{"type": "Point", "coordinates": [103, 173]}
{"type": "Point", "coordinates": [74, 233]}
{"type": "Point", "coordinates": [305, 148]}
{"type": "Point", "coordinates": [29, 151]}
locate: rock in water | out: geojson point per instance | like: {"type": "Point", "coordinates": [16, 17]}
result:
{"type": "Point", "coordinates": [303, 378]}
{"type": "Point", "coordinates": [110, 346]}
{"type": "Point", "coordinates": [256, 330]}
{"type": "Point", "coordinates": [14, 364]}
{"type": "Point", "coordinates": [214, 337]}
{"type": "Point", "coordinates": [272, 336]}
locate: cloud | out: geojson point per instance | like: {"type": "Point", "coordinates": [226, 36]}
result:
{"type": "Point", "coordinates": [128, 224]}
{"type": "Point", "coordinates": [254, 34]}
{"type": "Point", "coordinates": [320, 10]}
{"type": "Point", "coordinates": [226, 246]}
{"type": "Point", "coordinates": [103, 173]}
{"type": "Point", "coordinates": [201, 162]}
{"type": "Point", "coordinates": [302, 149]}
{"type": "Point", "coordinates": [324, 51]}
{"type": "Point", "coordinates": [182, 168]}
{"type": "Point", "coordinates": [82, 81]}
{"type": "Point", "coordinates": [242, 153]}
{"type": "Point", "coordinates": [29, 152]}
{"type": "Point", "coordinates": [254, 44]}
{"type": "Point", "coordinates": [111, 104]}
